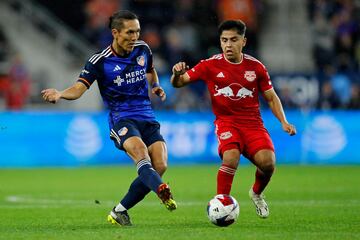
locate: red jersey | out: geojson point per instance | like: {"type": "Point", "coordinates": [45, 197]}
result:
{"type": "Point", "coordinates": [234, 87]}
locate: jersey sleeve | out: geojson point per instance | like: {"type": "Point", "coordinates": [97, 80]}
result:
{"type": "Point", "coordinates": [264, 79]}
{"type": "Point", "coordinates": [149, 60]}
{"type": "Point", "coordinates": [150, 63]}
{"type": "Point", "coordinates": [89, 74]}
{"type": "Point", "coordinates": [198, 72]}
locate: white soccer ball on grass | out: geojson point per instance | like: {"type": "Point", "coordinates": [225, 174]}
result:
{"type": "Point", "coordinates": [223, 210]}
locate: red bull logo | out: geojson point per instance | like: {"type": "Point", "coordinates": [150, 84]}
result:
{"type": "Point", "coordinates": [243, 93]}
{"type": "Point", "coordinates": [228, 91]}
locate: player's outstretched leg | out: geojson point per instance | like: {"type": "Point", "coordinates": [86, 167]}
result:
{"type": "Point", "coordinates": [119, 217]}
{"type": "Point", "coordinates": [262, 208]}
{"type": "Point", "coordinates": [137, 191]}
{"type": "Point", "coordinates": [166, 197]}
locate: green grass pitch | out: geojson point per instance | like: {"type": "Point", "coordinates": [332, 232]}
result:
{"type": "Point", "coordinates": [306, 202]}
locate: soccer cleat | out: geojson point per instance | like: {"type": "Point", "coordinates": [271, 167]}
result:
{"type": "Point", "coordinates": [166, 197]}
{"type": "Point", "coordinates": [261, 207]}
{"type": "Point", "coordinates": [121, 218]}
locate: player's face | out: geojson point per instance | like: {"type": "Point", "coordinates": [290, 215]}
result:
{"type": "Point", "coordinates": [232, 44]}
{"type": "Point", "coordinates": [126, 37]}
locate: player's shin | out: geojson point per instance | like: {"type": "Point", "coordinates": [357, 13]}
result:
{"type": "Point", "coordinates": [261, 180]}
{"type": "Point", "coordinates": [148, 175]}
{"type": "Point", "coordinates": [137, 191]}
{"type": "Point", "coordinates": [225, 178]}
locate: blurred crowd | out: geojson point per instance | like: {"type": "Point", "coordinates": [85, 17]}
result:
{"type": "Point", "coordinates": [186, 30]}
{"type": "Point", "coordinates": [336, 51]}
{"type": "Point", "coordinates": [14, 77]}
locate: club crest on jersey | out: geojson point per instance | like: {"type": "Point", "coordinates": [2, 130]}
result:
{"type": "Point", "coordinates": [141, 60]}
{"type": "Point", "coordinates": [234, 91]}
{"type": "Point", "coordinates": [250, 75]}
{"type": "Point", "coordinates": [122, 131]}
{"type": "Point", "coordinates": [225, 135]}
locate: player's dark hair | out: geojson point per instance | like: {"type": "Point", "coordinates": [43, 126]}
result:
{"type": "Point", "coordinates": [237, 25]}
{"type": "Point", "coordinates": [117, 19]}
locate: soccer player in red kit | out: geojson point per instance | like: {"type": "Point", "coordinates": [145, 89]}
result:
{"type": "Point", "coordinates": [234, 81]}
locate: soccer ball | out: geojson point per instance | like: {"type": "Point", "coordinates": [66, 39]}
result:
{"type": "Point", "coordinates": [223, 210]}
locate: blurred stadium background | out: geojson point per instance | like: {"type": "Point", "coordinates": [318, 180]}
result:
{"type": "Point", "coordinates": [311, 49]}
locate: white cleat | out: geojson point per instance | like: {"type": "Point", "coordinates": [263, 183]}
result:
{"type": "Point", "coordinates": [261, 207]}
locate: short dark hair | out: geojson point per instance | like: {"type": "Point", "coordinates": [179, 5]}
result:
{"type": "Point", "coordinates": [117, 19]}
{"type": "Point", "coordinates": [237, 25]}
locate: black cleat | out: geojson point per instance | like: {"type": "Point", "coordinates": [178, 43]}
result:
{"type": "Point", "coordinates": [121, 218]}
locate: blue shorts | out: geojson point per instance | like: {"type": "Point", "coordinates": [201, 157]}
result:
{"type": "Point", "coordinates": [148, 131]}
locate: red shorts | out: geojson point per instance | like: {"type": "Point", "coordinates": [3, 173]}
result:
{"type": "Point", "coordinates": [248, 140]}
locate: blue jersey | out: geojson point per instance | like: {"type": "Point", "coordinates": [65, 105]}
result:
{"type": "Point", "coordinates": [122, 82]}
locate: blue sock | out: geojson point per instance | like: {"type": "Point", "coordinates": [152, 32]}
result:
{"type": "Point", "coordinates": [137, 191]}
{"type": "Point", "coordinates": [148, 175]}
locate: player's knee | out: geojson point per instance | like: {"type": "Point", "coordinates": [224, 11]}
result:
{"type": "Point", "coordinates": [160, 167]}
{"type": "Point", "coordinates": [231, 158]}
{"type": "Point", "coordinates": [138, 151]}
{"type": "Point", "coordinates": [266, 161]}
{"type": "Point", "coordinates": [268, 167]}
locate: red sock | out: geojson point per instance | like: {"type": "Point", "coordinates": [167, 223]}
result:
{"type": "Point", "coordinates": [261, 181]}
{"type": "Point", "coordinates": [225, 178]}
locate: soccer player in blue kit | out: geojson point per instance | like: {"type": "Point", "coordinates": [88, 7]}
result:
{"type": "Point", "coordinates": [124, 70]}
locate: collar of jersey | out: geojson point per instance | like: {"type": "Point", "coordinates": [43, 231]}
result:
{"type": "Point", "coordinates": [242, 58]}
{"type": "Point", "coordinates": [117, 55]}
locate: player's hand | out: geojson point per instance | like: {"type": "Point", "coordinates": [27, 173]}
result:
{"type": "Point", "coordinates": [180, 68]}
{"type": "Point", "coordinates": [160, 92]}
{"type": "Point", "coordinates": [289, 128]}
{"type": "Point", "coordinates": [51, 95]}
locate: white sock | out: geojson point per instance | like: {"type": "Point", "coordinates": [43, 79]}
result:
{"type": "Point", "coordinates": [120, 208]}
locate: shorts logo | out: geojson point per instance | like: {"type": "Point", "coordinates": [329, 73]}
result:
{"type": "Point", "coordinates": [122, 131]}
{"type": "Point", "coordinates": [225, 135]}
{"type": "Point", "coordinates": [141, 60]}
{"type": "Point", "coordinates": [250, 75]}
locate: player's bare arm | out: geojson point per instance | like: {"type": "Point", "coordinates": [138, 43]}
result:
{"type": "Point", "coordinates": [72, 93]}
{"type": "Point", "coordinates": [277, 109]}
{"type": "Point", "coordinates": [179, 77]}
{"type": "Point", "coordinates": [153, 80]}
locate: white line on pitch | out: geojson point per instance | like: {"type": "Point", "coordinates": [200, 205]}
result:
{"type": "Point", "coordinates": [27, 200]}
